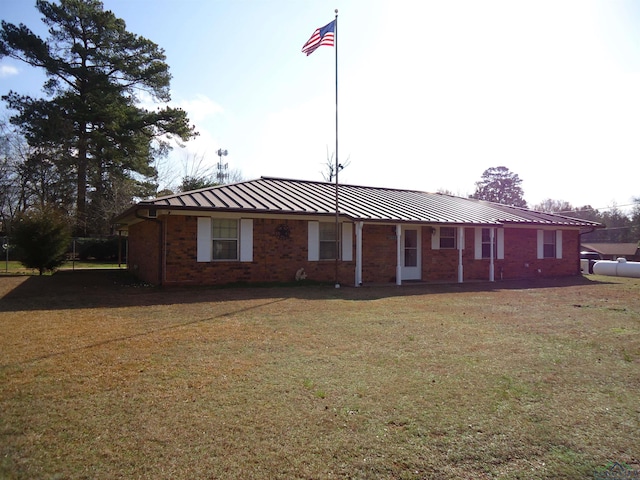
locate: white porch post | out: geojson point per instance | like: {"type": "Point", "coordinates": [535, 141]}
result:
{"type": "Point", "coordinates": [359, 253]}
{"type": "Point", "coordinates": [398, 254]}
{"type": "Point", "coordinates": [460, 247]}
{"type": "Point", "coordinates": [492, 273]}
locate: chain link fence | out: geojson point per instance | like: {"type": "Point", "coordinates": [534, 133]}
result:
{"type": "Point", "coordinates": [111, 249]}
{"type": "Point", "coordinates": [108, 249]}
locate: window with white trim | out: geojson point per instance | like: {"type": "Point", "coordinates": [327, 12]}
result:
{"type": "Point", "coordinates": [549, 244]}
{"type": "Point", "coordinates": [327, 235]}
{"type": "Point", "coordinates": [482, 241]}
{"type": "Point", "coordinates": [486, 244]}
{"type": "Point", "coordinates": [448, 236]}
{"type": "Point", "coordinates": [225, 239]}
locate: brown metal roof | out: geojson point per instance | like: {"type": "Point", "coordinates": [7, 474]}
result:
{"type": "Point", "coordinates": [360, 203]}
{"type": "Point", "coordinates": [626, 249]}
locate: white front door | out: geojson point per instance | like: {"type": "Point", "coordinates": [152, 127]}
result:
{"type": "Point", "coordinates": [411, 256]}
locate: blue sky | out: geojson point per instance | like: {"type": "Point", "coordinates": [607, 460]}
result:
{"type": "Point", "coordinates": [431, 93]}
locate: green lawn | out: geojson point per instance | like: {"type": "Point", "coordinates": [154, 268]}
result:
{"type": "Point", "coordinates": [104, 378]}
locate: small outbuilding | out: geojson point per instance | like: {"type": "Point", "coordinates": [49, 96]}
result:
{"type": "Point", "coordinates": [280, 230]}
{"type": "Point", "coordinates": [613, 251]}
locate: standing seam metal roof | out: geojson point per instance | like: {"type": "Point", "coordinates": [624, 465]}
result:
{"type": "Point", "coordinates": [285, 196]}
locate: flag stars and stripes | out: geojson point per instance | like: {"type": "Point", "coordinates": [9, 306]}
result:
{"type": "Point", "coordinates": [322, 36]}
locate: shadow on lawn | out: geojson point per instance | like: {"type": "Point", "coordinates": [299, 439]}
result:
{"type": "Point", "coordinates": [117, 288]}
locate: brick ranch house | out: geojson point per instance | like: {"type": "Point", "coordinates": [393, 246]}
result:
{"type": "Point", "coordinates": [274, 230]}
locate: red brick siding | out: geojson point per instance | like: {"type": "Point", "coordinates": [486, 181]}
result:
{"type": "Point", "coordinates": [143, 255]}
{"type": "Point", "coordinates": [520, 250]}
{"type": "Point", "coordinates": [277, 260]}
{"type": "Point", "coordinates": [274, 259]}
{"type": "Point", "coordinates": [379, 257]}
{"type": "Point", "coordinates": [378, 253]}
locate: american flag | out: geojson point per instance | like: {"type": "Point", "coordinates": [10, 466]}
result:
{"type": "Point", "coordinates": [322, 36]}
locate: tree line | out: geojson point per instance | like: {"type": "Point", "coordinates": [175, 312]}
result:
{"type": "Point", "coordinates": [620, 227]}
{"type": "Point", "coordinates": [87, 147]}
{"type": "Point", "coordinates": [500, 185]}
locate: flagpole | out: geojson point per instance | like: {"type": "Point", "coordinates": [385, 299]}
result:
{"type": "Point", "coordinates": [335, 34]}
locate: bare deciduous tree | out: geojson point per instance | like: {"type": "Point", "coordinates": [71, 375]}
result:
{"type": "Point", "coordinates": [329, 172]}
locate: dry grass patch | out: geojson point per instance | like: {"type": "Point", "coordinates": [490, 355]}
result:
{"type": "Point", "coordinates": [510, 380]}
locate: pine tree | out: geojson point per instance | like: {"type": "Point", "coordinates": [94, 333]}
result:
{"type": "Point", "coordinates": [500, 185]}
{"type": "Point", "coordinates": [42, 236]}
{"type": "Point", "coordinates": [96, 70]}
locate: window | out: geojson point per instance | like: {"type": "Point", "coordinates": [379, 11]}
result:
{"type": "Point", "coordinates": [482, 243]}
{"type": "Point", "coordinates": [411, 248]}
{"type": "Point", "coordinates": [225, 239]}
{"type": "Point", "coordinates": [321, 241]}
{"type": "Point", "coordinates": [447, 237]}
{"type": "Point", "coordinates": [549, 244]}
{"type": "Point", "coordinates": [328, 241]}
{"type": "Point", "coordinates": [486, 244]}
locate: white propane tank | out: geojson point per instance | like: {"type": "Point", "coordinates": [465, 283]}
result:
{"type": "Point", "coordinates": [628, 269]}
{"type": "Point", "coordinates": [606, 267]}
{"type": "Point", "coordinates": [617, 268]}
